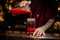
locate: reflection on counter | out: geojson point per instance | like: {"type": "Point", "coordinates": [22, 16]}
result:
{"type": "Point", "coordinates": [10, 35]}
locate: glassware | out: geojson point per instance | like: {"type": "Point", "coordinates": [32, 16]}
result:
{"type": "Point", "coordinates": [30, 25]}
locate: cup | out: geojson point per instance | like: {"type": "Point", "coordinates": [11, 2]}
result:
{"type": "Point", "coordinates": [30, 25]}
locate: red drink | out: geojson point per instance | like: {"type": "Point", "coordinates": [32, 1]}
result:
{"type": "Point", "coordinates": [30, 29]}
{"type": "Point", "coordinates": [30, 25]}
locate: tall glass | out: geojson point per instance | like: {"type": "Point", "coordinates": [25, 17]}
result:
{"type": "Point", "coordinates": [30, 25]}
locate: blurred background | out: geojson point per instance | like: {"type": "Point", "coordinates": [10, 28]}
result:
{"type": "Point", "coordinates": [9, 23]}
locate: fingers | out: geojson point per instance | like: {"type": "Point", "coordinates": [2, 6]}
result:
{"type": "Point", "coordinates": [38, 33]}
{"type": "Point", "coordinates": [35, 33]}
{"type": "Point", "coordinates": [43, 33]}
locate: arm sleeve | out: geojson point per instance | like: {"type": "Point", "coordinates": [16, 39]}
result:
{"type": "Point", "coordinates": [50, 15]}
{"type": "Point", "coordinates": [51, 19]}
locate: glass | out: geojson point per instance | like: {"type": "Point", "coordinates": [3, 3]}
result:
{"type": "Point", "coordinates": [30, 25]}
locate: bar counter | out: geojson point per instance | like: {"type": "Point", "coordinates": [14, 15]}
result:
{"type": "Point", "coordinates": [16, 35]}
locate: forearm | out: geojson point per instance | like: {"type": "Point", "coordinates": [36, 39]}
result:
{"type": "Point", "coordinates": [48, 24]}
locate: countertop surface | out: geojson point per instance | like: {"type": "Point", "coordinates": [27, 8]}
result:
{"type": "Point", "coordinates": [17, 34]}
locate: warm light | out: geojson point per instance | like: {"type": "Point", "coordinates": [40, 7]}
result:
{"type": "Point", "coordinates": [58, 8]}
{"type": "Point", "coordinates": [10, 7]}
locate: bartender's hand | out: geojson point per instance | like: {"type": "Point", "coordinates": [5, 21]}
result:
{"type": "Point", "coordinates": [39, 32]}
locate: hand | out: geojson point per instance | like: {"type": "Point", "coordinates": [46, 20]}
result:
{"type": "Point", "coordinates": [23, 3]}
{"type": "Point", "coordinates": [39, 32]}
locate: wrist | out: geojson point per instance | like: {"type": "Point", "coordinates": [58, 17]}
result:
{"type": "Point", "coordinates": [44, 28]}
